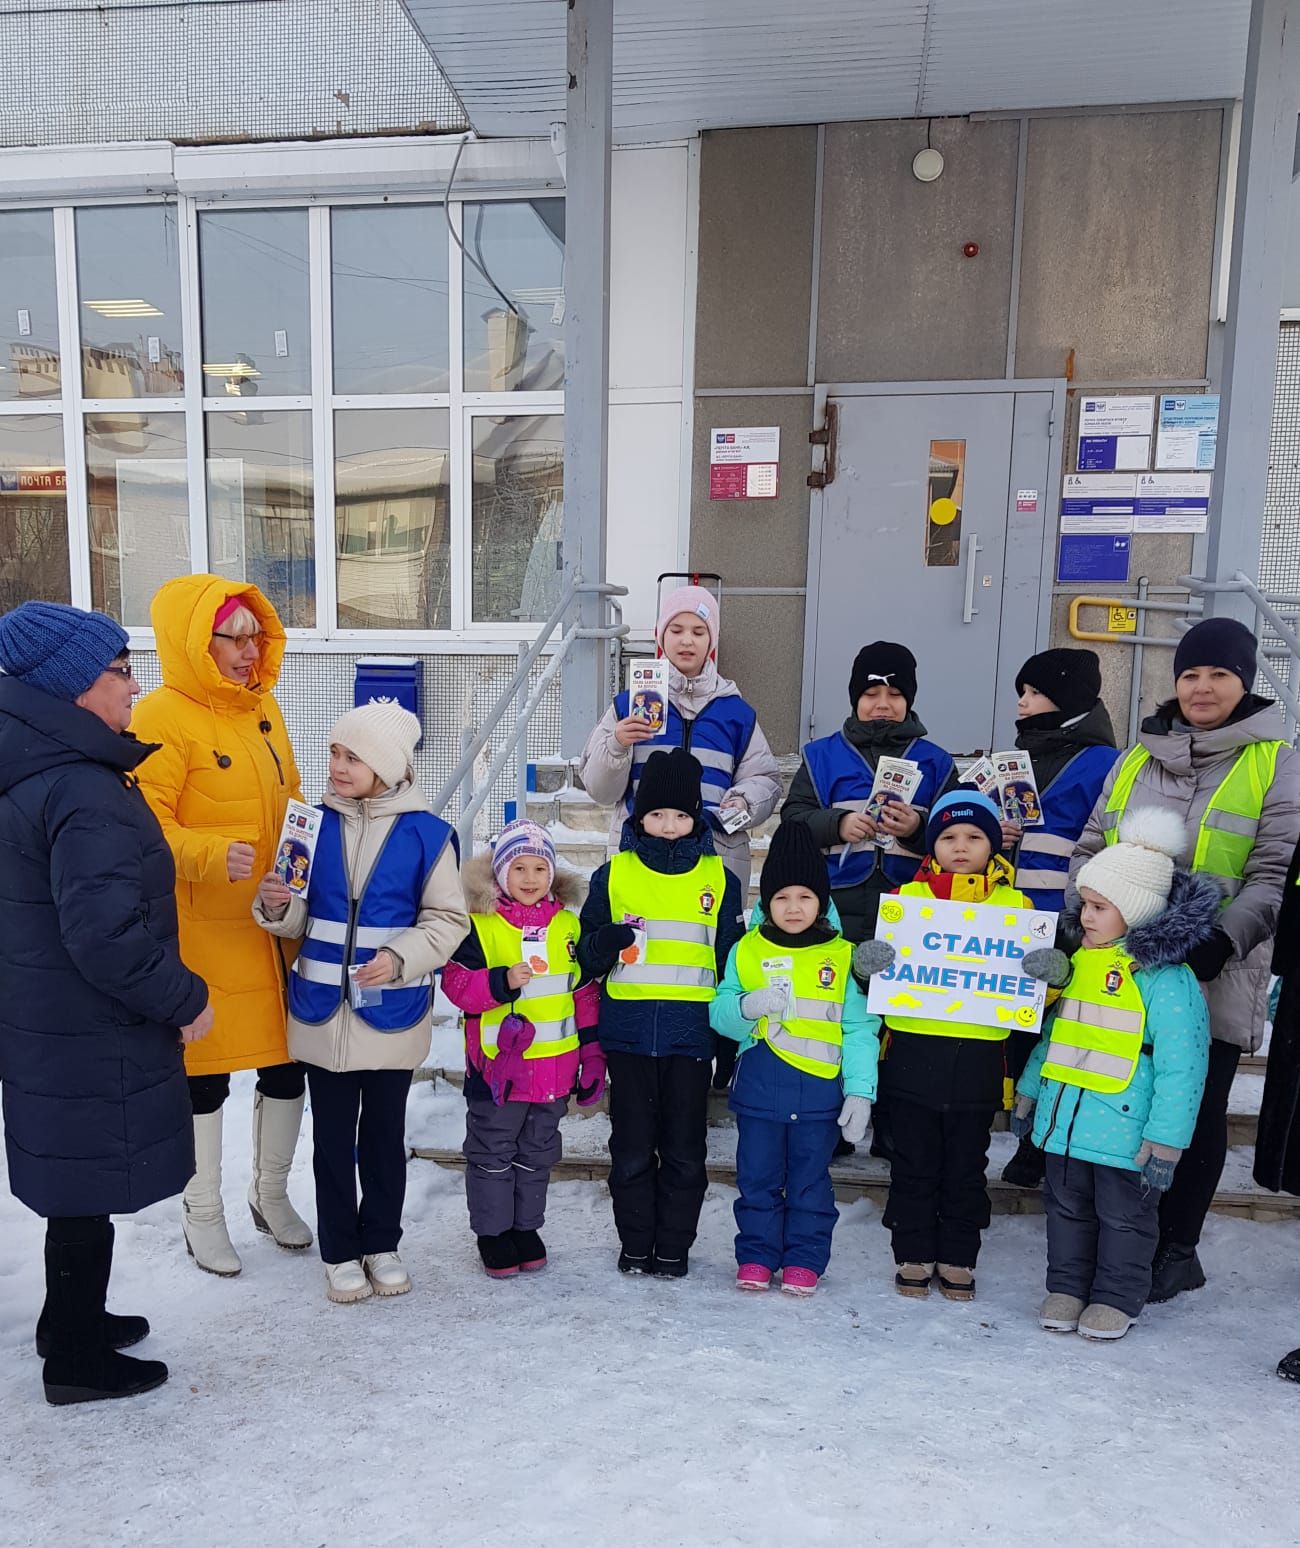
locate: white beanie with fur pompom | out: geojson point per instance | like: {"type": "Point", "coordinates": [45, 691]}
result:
{"type": "Point", "coordinates": [382, 735]}
{"type": "Point", "coordinates": [1136, 873]}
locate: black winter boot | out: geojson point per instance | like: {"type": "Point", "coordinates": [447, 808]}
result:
{"type": "Point", "coordinates": [1027, 1167]}
{"type": "Point", "coordinates": [634, 1263]}
{"type": "Point", "coordinates": [1288, 1367]}
{"type": "Point", "coordinates": [670, 1268]}
{"type": "Point", "coordinates": [119, 1332]}
{"type": "Point", "coordinates": [80, 1366]}
{"type": "Point", "coordinates": [531, 1250]}
{"type": "Point", "coordinates": [500, 1255]}
{"type": "Point", "coordinates": [1176, 1268]}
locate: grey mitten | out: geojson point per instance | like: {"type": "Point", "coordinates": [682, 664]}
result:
{"type": "Point", "coordinates": [1048, 965]}
{"type": "Point", "coordinates": [1022, 1117]}
{"type": "Point", "coordinates": [1157, 1163]}
{"type": "Point", "coordinates": [763, 1002]}
{"type": "Point", "coordinates": [854, 1117]}
{"type": "Point", "coordinates": [872, 957]}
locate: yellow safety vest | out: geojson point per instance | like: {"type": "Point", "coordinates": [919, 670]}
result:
{"type": "Point", "coordinates": [679, 917]}
{"type": "Point", "coordinates": [1000, 897]}
{"type": "Point", "coordinates": [811, 1038]}
{"type": "Point", "coordinates": [546, 1000]}
{"type": "Point", "coordinates": [1097, 1035]}
{"type": "Point", "coordinates": [1230, 820]}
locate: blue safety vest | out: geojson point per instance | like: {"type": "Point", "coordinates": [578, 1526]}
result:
{"type": "Point", "coordinates": [343, 931]}
{"type": "Point", "coordinates": [1043, 859]}
{"type": "Point", "coordinates": [841, 776]}
{"type": "Point", "coordinates": [718, 736]}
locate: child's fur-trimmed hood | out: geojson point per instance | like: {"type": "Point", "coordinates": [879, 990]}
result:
{"type": "Point", "coordinates": [1188, 919]}
{"type": "Point", "coordinates": [480, 886]}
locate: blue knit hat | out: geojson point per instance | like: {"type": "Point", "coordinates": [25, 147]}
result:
{"type": "Point", "coordinates": [58, 649]}
{"type": "Point", "coordinates": [966, 806]}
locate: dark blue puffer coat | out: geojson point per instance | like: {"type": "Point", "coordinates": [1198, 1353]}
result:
{"type": "Point", "coordinates": [96, 1109]}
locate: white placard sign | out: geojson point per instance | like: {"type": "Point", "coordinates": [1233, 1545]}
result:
{"type": "Point", "coordinates": [961, 962]}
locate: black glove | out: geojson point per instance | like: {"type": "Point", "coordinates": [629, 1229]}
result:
{"type": "Point", "coordinates": [1208, 958]}
{"type": "Point", "coordinates": [610, 939]}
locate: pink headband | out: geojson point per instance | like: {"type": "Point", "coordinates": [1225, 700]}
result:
{"type": "Point", "coordinates": [227, 610]}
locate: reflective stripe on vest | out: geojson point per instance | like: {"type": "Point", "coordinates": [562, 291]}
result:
{"type": "Point", "coordinates": [1096, 1036]}
{"type": "Point", "coordinates": [343, 930]}
{"type": "Point", "coordinates": [1230, 821]}
{"type": "Point", "coordinates": [719, 737]}
{"type": "Point", "coordinates": [1043, 854]}
{"type": "Point", "coordinates": [546, 1000]}
{"type": "Point", "coordinates": [1000, 897]}
{"type": "Point", "coordinates": [810, 1038]}
{"type": "Point", "coordinates": [681, 926]}
{"type": "Point", "coordinates": [842, 779]}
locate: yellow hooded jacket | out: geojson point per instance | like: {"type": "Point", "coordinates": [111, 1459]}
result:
{"type": "Point", "coordinates": [200, 717]}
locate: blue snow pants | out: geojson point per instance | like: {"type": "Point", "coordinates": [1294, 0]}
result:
{"type": "Point", "coordinates": [786, 1210]}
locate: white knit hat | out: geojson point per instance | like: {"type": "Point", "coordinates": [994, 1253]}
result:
{"type": "Point", "coordinates": [1136, 873]}
{"type": "Point", "coordinates": [381, 735]}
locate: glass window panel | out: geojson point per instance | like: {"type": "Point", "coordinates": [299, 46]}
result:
{"type": "Point", "coordinates": [254, 300]}
{"type": "Point", "coordinates": [389, 265]}
{"type": "Point", "coordinates": [260, 507]}
{"type": "Point", "coordinates": [128, 271]}
{"type": "Point", "coordinates": [392, 490]}
{"type": "Point", "coordinates": [514, 296]}
{"type": "Point", "coordinates": [139, 503]}
{"type": "Point", "coordinates": [518, 517]}
{"type": "Point", "coordinates": [29, 313]}
{"type": "Point", "coordinates": [33, 511]}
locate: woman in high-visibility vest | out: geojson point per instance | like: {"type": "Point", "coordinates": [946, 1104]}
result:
{"type": "Point", "coordinates": [530, 1039]}
{"type": "Point", "coordinates": [1214, 754]}
{"type": "Point", "coordinates": [658, 926]}
{"type": "Point", "coordinates": [807, 1067]}
{"type": "Point", "coordinates": [1112, 1089]}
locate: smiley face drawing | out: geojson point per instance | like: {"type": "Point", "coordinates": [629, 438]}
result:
{"type": "Point", "coordinates": [1025, 1015]}
{"type": "Point", "coordinates": [890, 911]}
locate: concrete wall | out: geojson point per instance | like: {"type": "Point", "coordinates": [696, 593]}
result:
{"type": "Point", "coordinates": [1117, 229]}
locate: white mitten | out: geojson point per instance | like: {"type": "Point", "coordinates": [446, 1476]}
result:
{"type": "Point", "coordinates": [764, 1002]}
{"type": "Point", "coordinates": [854, 1118]}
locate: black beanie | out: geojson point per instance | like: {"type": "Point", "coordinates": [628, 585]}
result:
{"type": "Point", "coordinates": [1218, 642]}
{"type": "Point", "coordinates": [670, 781]}
{"type": "Point", "coordinates": [1071, 679]}
{"type": "Point", "coordinates": [883, 662]}
{"type": "Point", "coordinates": [793, 860]}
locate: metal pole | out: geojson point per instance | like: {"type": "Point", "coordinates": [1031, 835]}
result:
{"type": "Point", "coordinates": [1135, 684]}
{"type": "Point", "coordinates": [521, 748]}
{"type": "Point", "coordinates": [1271, 101]}
{"type": "Point", "coordinates": [588, 124]}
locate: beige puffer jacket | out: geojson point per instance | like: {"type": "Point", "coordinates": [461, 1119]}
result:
{"type": "Point", "coordinates": [1186, 767]}
{"type": "Point", "coordinates": [345, 1042]}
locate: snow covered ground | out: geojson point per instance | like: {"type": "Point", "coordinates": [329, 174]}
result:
{"type": "Point", "coordinates": [581, 1407]}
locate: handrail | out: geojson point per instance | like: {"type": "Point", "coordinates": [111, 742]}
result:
{"type": "Point", "coordinates": [526, 708]}
{"type": "Point", "coordinates": [1142, 604]}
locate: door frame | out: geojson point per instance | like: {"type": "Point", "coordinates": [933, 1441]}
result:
{"type": "Point", "coordinates": [1051, 496]}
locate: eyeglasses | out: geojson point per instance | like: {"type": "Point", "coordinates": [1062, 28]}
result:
{"type": "Point", "coordinates": [120, 668]}
{"type": "Point", "coordinates": [239, 641]}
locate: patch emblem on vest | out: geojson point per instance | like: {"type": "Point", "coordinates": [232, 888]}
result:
{"type": "Point", "coordinates": [826, 974]}
{"type": "Point", "coordinates": [571, 947]}
{"type": "Point", "coordinates": [706, 901]}
{"type": "Point", "coordinates": [1114, 979]}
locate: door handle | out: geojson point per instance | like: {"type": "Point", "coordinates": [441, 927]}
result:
{"type": "Point", "coordinates": [968, 606]}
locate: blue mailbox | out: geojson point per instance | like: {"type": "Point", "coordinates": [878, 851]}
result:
{"type": "Point", "coordinates": [390, 680]}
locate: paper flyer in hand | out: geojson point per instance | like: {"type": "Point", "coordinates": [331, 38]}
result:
{"type": "Point", "coordinates": [647, 693]}
{"type": "Point", "coordinates": [636, 951]}
{"type": "Point", "coordinates": [897, 779]}
{"type": "Point", "coordinates": [297, 845]}
{"type": "Point", "coordinates": [779, 973]}
{"type": "Point", "coordinates": [1018, 789]}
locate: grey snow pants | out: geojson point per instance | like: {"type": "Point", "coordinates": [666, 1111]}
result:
{"type": "Point", "coordinates": [1102, 1230]}
{"type": "Point", "coordinates": [510, 1151]}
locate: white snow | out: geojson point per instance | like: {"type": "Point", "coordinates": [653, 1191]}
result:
{"type": "Point", "coordinates": [581, 1407]}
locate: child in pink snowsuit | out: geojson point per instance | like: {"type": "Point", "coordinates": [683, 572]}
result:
{"type": "Point", "coordinates": [530, 1040]}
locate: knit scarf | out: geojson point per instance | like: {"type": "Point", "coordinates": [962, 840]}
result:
{"type": "Point", "coordinates": [966, 889]}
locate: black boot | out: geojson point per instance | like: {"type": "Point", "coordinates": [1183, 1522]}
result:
{"type": "Point", "coordinates": [634, 1263]}
{"type": "Point", "coordinates": [1176, 1268]}
{"type": "Point", "coordinates": [531, 1250]}
{"type": "Point", "coordinates": [80, 1366]}
{"type": "Point", "coordinates": [1027, 1167]}
{"type": "Point", "coordinates": [670, 1268]}
{"type": "Point", "coordinates": [500, 1255]}
{"type": "Point", "coordinates": [119, 1332]}
{"type": "Point", "coordinates": [1288, 1367]}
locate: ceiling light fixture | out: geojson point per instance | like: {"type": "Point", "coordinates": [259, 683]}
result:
{"type": "Point", "coordinates": [136, 307]}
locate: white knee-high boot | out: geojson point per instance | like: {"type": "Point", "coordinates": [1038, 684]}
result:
{"type": "Point", "coordinates": [275, 1136]}
{"type": "Point", "coordinates": [203, 1218]}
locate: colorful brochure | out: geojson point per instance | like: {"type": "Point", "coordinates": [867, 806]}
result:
{"type": "Point", "coordinates": [297, 845]}
{"type": "Point", "coordinates": [1007, 779]}
{"type": "Point", "coordinates": [647, 693]}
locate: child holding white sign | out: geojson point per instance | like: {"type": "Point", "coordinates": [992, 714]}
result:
{"type": "Point", "coordinates": [1113, 1088]}
{"type": "Point", "coordinates": [944, 1075]}
{"type": "Point", "coordinates": [807, 1066]}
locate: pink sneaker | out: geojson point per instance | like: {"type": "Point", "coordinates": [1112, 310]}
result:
{"type": "Point", "coordinates": [753, 1276]}
{"type": "Point", "coordinates": [798, 1281]}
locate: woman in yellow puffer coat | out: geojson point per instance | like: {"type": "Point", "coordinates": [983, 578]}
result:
{"type": "Point", "coordinates": [219, 786]}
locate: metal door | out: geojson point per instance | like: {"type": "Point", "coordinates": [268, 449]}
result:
{"type": "Point", "coordinates": [931, 530]}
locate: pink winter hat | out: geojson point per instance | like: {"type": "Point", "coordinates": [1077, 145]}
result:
{"type": "Point", "coordinates": [695, 600]}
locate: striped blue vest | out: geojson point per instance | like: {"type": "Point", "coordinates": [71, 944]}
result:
{"type": "Point", "coordinates": [1043, 859]}
{"type": "Point", "coordinates": [343, 930]}
{"type": "Point", "coordinates": [842, 777]}
{"type": "Point", "coordinates": [718, 736]}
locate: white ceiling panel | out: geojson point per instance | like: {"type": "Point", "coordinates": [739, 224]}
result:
{"type": "Point", "coordinates": [681, 65]}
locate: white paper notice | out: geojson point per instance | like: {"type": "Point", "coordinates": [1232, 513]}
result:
{"type": "Point", "coordinates": [1116, 416]}
{"type": "Point", "coordinates": [1172, 502]}
{"type": "Point", "coordinates": [1100, 503]}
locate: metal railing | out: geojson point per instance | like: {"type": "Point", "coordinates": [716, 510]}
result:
{"type": "Point", "coordinates": [461, 782]}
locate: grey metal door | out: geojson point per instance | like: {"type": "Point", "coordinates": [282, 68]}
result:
{"type": "Point", "coordinates": [931, 531]}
